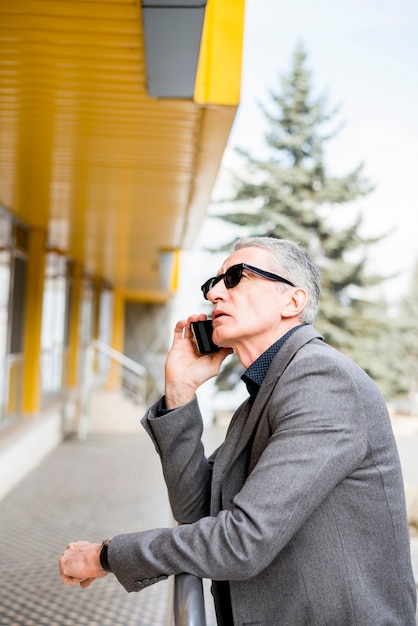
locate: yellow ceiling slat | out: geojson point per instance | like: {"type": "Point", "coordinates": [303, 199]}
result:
{"type": "Point", "coordinates": [20, 50]}
{"type": "Point", "coordinates": [66, 82]}
{"type": "Point", "coordinates": [87, 9]}
{"type": "Point", "coordinates": [39, 64]}
{"type": "Point", "coordinates": [67, 39]}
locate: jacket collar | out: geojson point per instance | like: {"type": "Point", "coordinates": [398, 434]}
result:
{"type": "Point", "coordinates": [303, 335]}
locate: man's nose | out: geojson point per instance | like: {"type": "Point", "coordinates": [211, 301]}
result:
{"type": "Point", "coordinates": [217, 292]}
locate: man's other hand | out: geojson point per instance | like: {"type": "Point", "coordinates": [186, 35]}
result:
{"type": "Point", "coordinates": [80, 564]}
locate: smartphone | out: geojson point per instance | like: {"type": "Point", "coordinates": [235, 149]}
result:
{"type": "Point", "coordinates": [202, 337]}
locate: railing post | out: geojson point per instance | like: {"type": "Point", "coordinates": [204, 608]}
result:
{"type": "Point", "coordinates": [189, 603]}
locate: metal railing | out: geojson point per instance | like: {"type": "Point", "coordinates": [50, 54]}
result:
{"type": "Point", "coordinates": [132, 376]}
{"type": "Point", "coordinates": [188, 602]}
{"type": "Point", "coordinates": [102, 364]}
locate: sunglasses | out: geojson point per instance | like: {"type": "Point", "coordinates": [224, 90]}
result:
{"type": "Point", "coordinates": [233, 275]}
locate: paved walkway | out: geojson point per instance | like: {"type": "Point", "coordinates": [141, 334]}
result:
{"type": "Point", "coordinates": [90, 490]}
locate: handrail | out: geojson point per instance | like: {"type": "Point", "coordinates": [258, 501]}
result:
{"type": "Point", "coordinates": [189, 602]}
{"type": "Point", "coordinates": [120, 358]}
{"type": "Point", "coordinates": [133, 380]}
{"type": "Point", "coordinates": [135, 385]}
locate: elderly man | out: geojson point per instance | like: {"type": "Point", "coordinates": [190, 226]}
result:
{"type": "Point", "coordinates": [299, 516]}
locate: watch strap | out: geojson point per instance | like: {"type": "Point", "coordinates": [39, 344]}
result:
{"type": "Point", "coordinates": [104, 561]}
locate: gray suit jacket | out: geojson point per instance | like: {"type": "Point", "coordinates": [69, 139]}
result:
{"type": "Point", "coordinates": [301, 509]}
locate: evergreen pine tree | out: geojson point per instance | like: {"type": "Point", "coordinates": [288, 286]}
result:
{"type": "Point", "coordinates": [292, 194]}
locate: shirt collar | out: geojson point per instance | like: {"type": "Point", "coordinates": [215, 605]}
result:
{"type": "Point", "coordinates": [256, 372]}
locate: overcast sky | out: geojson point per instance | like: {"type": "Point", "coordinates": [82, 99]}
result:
{"type": "Point", "coordinates": [363, 54]}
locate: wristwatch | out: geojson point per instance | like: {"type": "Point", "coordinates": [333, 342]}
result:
{"type": "Point", "coordinates": [104, 562]}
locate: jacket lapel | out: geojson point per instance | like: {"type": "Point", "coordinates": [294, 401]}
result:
{"type": "Point", "coordinates": [280, 362]}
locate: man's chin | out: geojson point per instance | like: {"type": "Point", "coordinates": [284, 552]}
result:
{"type": "Point", "coordinates": [220, 340]}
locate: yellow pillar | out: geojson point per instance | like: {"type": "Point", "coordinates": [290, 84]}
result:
{"type": "Point", "coordinates": [33, 322]}
{"type": "Point", "coordinates": [118, 331]}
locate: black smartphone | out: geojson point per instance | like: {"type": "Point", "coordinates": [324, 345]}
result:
{"type": "Point", "coordinates": [202, 337]}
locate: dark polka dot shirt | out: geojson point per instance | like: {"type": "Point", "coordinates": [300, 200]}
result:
{"type": "Point", "coordinates": [255, 374]}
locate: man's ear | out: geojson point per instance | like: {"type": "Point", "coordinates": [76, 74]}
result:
{"type": "Point", "coordinates": [296, 302]}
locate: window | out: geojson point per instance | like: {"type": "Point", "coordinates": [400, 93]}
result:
{"type": "Point", "coordinates": [54, 324]}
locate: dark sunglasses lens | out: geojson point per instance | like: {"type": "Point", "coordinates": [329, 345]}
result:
{"type": "Point", "coordinates": [209, 284]}
{"type": "Point", "coordinates": [205, 287]}
{"type": "Point", "coordinates": [233, 276]}
{"type": "Point", "coordinates": [231, 279]}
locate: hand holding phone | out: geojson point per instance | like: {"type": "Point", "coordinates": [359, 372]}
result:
{"type": "Point", "coordinates": [202, 337]}
{"type": "Point", "coordinates": [185, 371]}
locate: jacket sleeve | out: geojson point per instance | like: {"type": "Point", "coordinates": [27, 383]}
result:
{"type": "Point", "coordinates": [187, 472]}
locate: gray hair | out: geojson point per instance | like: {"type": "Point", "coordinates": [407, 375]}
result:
{"type": "Point", "coordinates": [291, 261]}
